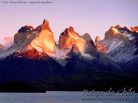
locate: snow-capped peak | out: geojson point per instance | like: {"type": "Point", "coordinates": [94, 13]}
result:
{"type": "Point", "coordinates": [121, 43]}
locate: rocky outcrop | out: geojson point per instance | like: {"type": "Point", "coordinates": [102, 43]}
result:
{"type": "Point", "coordinates": [121, 43]}
{"type": "Point", "coordinates": [90, 47]}
{"type": "Point", "coordinates": [69, 37]}
{"type": "Point", "coordinates": [97, 39]}
{"type": "Point", "coordinates": [24, 35]}
{"type": "Point", "coordinates": [40, 39]}
{"type": "Point", "coordinates": [44, 26]}
{"type": "Point", "coordinates": [44, 41]}
{"type": "Point", "coordinates": [25, 29]}
{"type": "Point", "coordinates": [101, 47]}
{"type": "Point", "coordinates": [32, 54]}
{"type": "Point", "coordinates": [134, 29]}
{"type": "Point", "coordinates": [112, 33]}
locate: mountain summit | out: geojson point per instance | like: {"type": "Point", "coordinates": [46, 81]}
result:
{"type": "Point", "coordinates": [69, 37]}
{"type": "Point", "coordinates": [121, 43]}
{"type": "Point", "coordinates": [44, 40]}
{"type": "Point", "coordinates": [28, 40]}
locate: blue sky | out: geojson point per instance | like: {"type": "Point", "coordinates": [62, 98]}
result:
{"type": "Point", "coordinates": [86, 16]}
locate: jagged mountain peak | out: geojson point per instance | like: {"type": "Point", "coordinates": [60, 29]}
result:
{"type": "Point", "coordinates": [71, 29]}
{"type": "Point", "coordinates": [89, 42]}
{"type": "Point", "coordinates": [69, 37]}
{"type": "Point", "coordinates": [45, 25]}
{"type": "Point", "coordinates": [87, 37]}
{"type": "Point", "coordinates": [121, 43]}
{"type": "Point", "coordinates": [117, 26]}
{"type": "Point", "coordinates": [118, 32]}
{"type": "Point", "coordinates": [90, 47]}
{"type": "Point", "coordinates": [44, 41]}
{"type": "Point", "coordinates": [25, 28]}
{"type": "Point", "coordinates": [112, 33]}
{"type": "Point", "coordinates": [45, 22]}
{"type": "Point", "coordinates": [97, 39]}
{"type": "Point", "coordinates": [27, 38]}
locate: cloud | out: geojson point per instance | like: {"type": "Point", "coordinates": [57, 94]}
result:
{"type": "Point", "coordinates": [8, 41]}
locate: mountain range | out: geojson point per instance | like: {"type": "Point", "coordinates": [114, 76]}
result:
{"type": "Point", "coordinates": [76, 62]}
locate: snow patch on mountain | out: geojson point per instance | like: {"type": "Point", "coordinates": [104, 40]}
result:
{"type": "Point", "coordinates": [120, 50]}
{"type": "Point", "coordinates": [112, 44]}
{"type": "Point", "coordinates": [129, 35]}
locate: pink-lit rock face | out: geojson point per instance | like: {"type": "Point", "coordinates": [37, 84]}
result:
{"type": "Point", "coordinates": [101, 48]}
{"type": "Point", "coordinates": [44, 41]}
{"type": "Point", "coordinates": [32, 54]}
{"type": "Point", "coordinates": [112, 33]}
{"type": "Point", "coordinates": [69, 38]}
{"type": "Point", "coordinates": [97, 39]}
{"type": "Point", "coordinates": [40, 39]}
{"type": "Point", "coordinates": [134, 29]}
